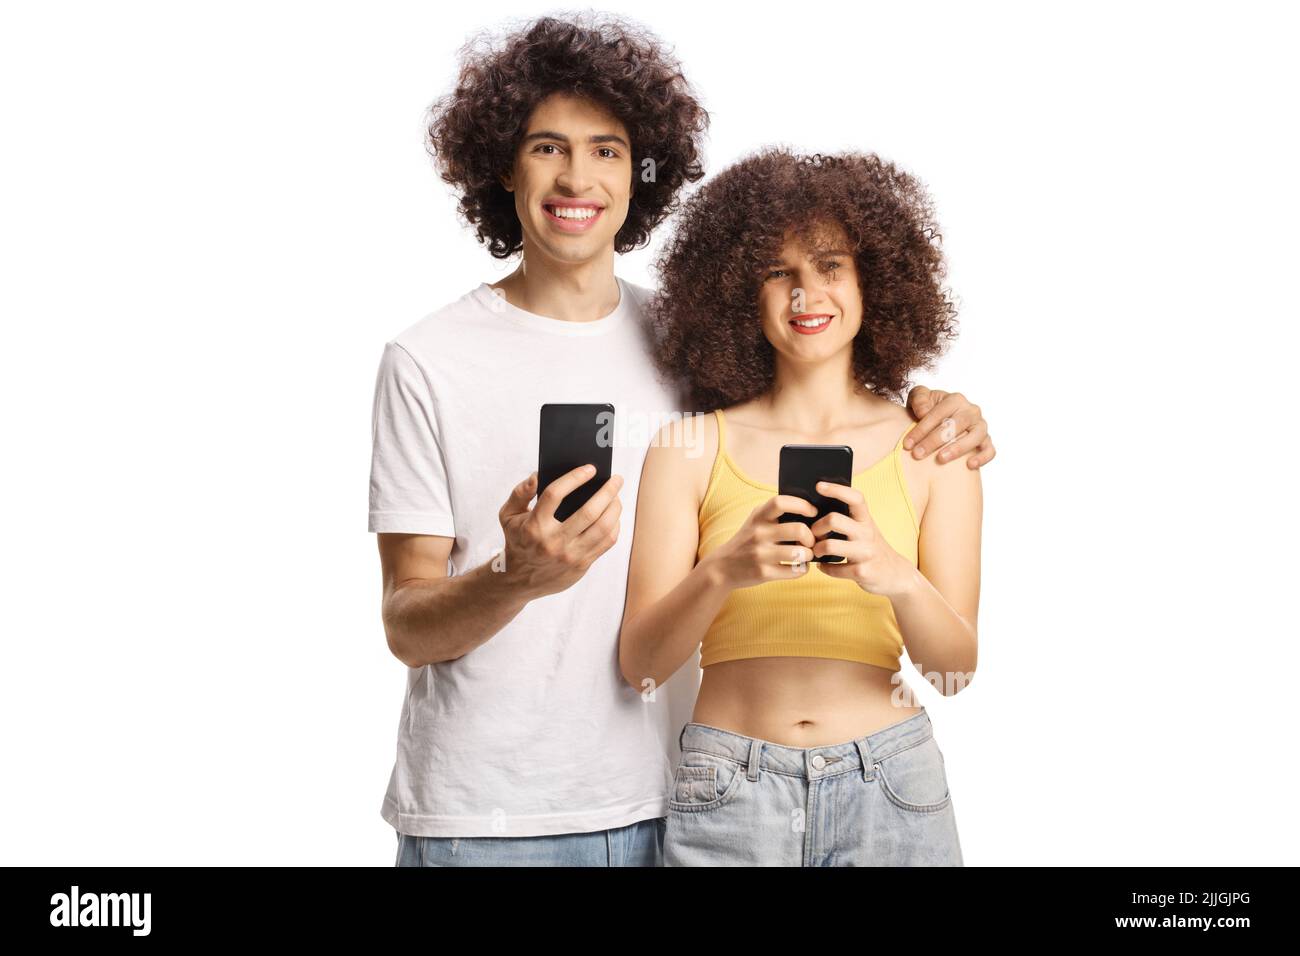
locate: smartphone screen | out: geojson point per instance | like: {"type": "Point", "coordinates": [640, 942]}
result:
{"type": "Point", "coordinates": [802, 466]}
{"type": "Point", "coordinates": [572, 435]}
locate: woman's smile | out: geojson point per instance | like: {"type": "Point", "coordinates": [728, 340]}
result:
{"type": "Point", "coordinates": [810, 323]}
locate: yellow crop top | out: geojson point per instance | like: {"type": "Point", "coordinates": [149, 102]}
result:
{"type": "Point", "coordinates": [813, 615]}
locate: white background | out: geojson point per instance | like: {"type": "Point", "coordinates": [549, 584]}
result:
{"type": "Point", "coordinates": [214, 216]}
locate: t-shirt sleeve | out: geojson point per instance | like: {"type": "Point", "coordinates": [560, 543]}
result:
{"type": "Point", "coordinates": [408, 474]}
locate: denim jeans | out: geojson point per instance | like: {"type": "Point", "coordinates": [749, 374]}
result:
{"type": "Point", "coordinates": [879, 800]}
{"type": "Point", "coordinates": [638, 844]}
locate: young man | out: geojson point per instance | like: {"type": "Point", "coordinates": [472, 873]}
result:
{"type": "Point", "coordinates": [519, 741]}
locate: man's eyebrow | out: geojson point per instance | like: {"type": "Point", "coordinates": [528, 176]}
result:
{"type": "Point", "coordinates": [602, 138]}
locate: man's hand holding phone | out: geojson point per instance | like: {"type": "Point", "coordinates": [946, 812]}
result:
{"type": "Point", "coordinates": [546, 556]}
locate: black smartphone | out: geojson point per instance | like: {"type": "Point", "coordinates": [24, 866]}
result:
{"type": "Point", "coordinates": [573, 435]}
{"type": "Point", "coordinates": [802, 466]}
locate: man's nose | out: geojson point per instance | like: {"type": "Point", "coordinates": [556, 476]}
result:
{"type": "Point", "coordinates": [575, 176]}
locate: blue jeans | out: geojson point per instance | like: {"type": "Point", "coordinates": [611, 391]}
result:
{"type": "Point", "coordinates": [638, 844]}
{"type": "Point", "coordinates": [879, 800]}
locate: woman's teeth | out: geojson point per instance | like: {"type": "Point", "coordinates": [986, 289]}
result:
{"type": "Point", "coordinates": [811, 323]}
{"type": "Point", "coordinates": [572, 212]}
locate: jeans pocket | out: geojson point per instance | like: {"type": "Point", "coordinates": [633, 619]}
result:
{"type": "Point", "coordinates": [705, 782]}
{"type": "Point", "coordinates": [914, 778]}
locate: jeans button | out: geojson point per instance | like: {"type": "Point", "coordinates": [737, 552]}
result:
{"type": "Point", "coordinates": [818, 762]}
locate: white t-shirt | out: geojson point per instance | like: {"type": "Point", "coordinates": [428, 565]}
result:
{"type": "Point", "coordinates": [534, 731]}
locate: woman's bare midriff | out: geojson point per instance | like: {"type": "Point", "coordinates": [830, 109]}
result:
{"type": "Point", "coordinates": [801, 701]}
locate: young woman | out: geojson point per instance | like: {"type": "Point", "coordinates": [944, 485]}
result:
{"type": "Point", "coordinates": [797, 295]}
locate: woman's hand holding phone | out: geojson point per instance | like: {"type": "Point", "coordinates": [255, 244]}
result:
{"type": "Point", "coordinates": [870, 561]}
{"type": "Point", "coordinates": [545, 555]}
{"type": "Point", "coordinates": [754, 553]}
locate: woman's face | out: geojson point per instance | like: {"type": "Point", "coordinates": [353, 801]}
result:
{"type": "Point", "coordinates": [809, 300]}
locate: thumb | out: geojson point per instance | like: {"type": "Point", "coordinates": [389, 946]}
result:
{"type": "Point", "coordinates": [919, 401]}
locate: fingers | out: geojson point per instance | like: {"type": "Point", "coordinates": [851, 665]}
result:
{"type": "Point", "coordinates": [983, 454]}
{"type": "Point", "coordinates": [855, 543]}
{"type": "Point", "coordinates": [920, 399]}
{"type": "Point", "coordinates": [966, 442]}
{"type": "Point", "coordinates": [602, 533]}
{"type": "Point", "coordinates": [586, 516]}
{"type": "Point", "coordinates": [787, 504]}
{"type": "Point", "coordinates": [787, 533]}
{"type": "Point", "coordinates": [850, 496]}
{"type": "Point", "coordinates": [520, 495]}
{"type": "Point", "coordinates": [835, 548]}
{"type": "Point", "coordinates": [942, 424]}
{"type": "Point", "coordinates": [834, 521]}
{"type": "Point", "coordinates": [793, 559]}
{"type": "Point", "coordinates": [559, 489]}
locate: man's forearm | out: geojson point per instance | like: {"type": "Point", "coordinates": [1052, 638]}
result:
{"type": "Point", "coordinates": [441, 619]}
{"type": "Point", "coordinates": [938, 639]}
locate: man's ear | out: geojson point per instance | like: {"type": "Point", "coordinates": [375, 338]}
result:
{"type": "Point", "coordinates": [507, 182]}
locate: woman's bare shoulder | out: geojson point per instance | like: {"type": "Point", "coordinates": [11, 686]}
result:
{"type": "Point", "coordinates": [889, 413]}
{"type": "Point", "coordinates": [683, 450]}
{"type": "Point", "coordinates": [928, 477]}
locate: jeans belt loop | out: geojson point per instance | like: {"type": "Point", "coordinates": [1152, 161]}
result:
{"type": "Point", "coordinates": [864, 749]}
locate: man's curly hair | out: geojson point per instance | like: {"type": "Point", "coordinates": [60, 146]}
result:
{"type": "Point", "coordinates": [708, 332]}
{"type": "Point", "coordinates": [474, 131]}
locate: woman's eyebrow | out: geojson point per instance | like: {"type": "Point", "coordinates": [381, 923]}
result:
{"type": "Point", "coordinates": [821, 254]}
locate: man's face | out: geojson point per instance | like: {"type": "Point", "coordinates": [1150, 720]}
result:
{"type": "Point", "coordinates": [809, 300]}
{"type": "Point", "coordinates": [572, 178]}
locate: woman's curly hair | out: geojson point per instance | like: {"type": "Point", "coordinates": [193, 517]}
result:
{"type": "Point", "coordinates": [474, 131]}
{"type": "Point", "coordinates": [709, 336]}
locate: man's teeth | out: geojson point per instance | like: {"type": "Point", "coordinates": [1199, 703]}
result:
{"type": "Point", "coordinates": [572, 212]}
{"type": "Point", "coordinates": [812, 323]}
